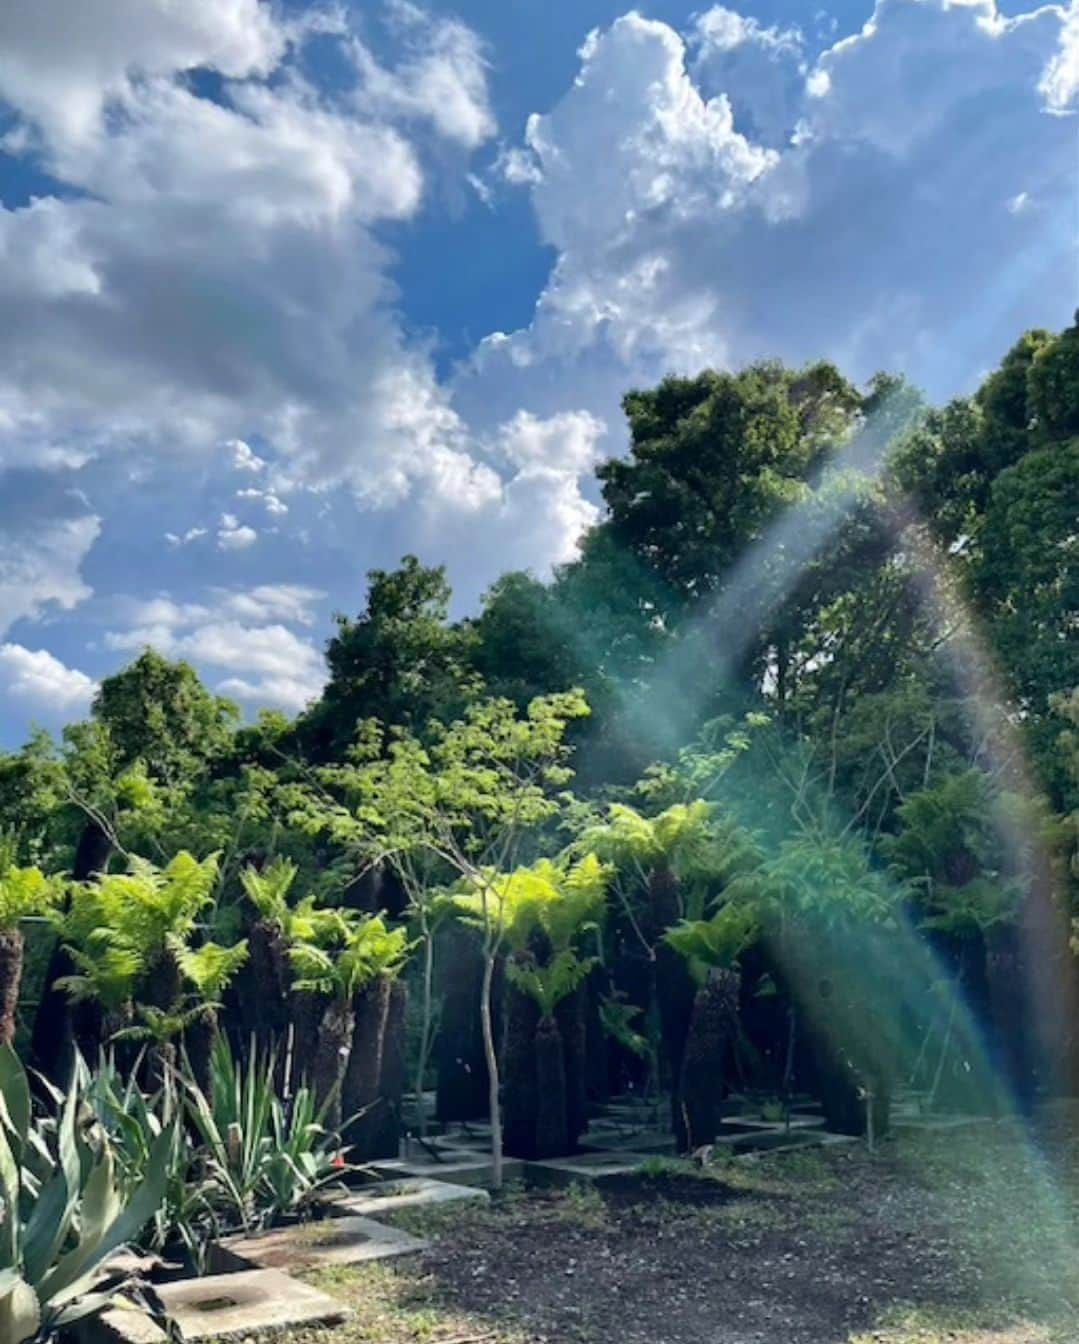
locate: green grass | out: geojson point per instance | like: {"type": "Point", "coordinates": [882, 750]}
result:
{"type": "Point", "coordinates": [388, 1308]}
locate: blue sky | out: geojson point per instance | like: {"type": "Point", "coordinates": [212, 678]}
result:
{"type": "Point", "coordinates": [294, 289]}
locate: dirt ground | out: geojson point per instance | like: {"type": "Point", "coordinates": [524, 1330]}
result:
{"type": "Point", "coordinates": [972, 1238]}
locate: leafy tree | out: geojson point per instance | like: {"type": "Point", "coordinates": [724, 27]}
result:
{"type": "Point", "coordinates": [400, 661]}
{"type": "Point", "coordinates": [473, 798]}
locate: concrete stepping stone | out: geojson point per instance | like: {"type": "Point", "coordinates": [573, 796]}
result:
{"type": "Point", "coordinates": [594, 1167]}
{"type": "Point", "coordinates": [742, 1123]}
{"type": "Point", "coordinates": [932, 1123]}
{"type": "Point", "coordinates": [642, 1141]}
{"type": "Point", "coordinates": [463, 1169]}
{"type": "Point", "coordinates": [255, 1302]}
{"type": "Point", "coordinates": [412, 1192]}
{"type": "Point", "coordinates": [351, 1240]}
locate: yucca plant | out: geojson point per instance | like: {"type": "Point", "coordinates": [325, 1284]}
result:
{"type": "Point", "coordinates": [23, 892]}
{"type": "Point", "coordinates": [64, 1211]}
{"type": "Point", "coordinates": [262, 1155]}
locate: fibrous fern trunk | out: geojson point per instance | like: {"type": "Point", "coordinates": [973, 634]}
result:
{"type": "Point", "coordinates": [712, 1032]}
{"type": "Point", "coordinates": [264, 984]}
{"type": "Point", "coordinates": [360, 1089]}
{"type": "Point", "coordinates": [11, 961]}
{"type": "Point", "coordinates": [459, 1052]}
{"type": "Point", "coordinates": [53, 1034]}
{"type": "Point", "coordinates": [571, 1017]}
{"type": "Point", "coordinates": [331, 1056]}
{"type": "Point", "coordinates": [386, 1140]}
{"type": "Point", "coordinates": [550, 1116]}
{"type": "Point", "coordinates": [674, 992]}
{"type": "Point", "coordinates": [519, 1069]}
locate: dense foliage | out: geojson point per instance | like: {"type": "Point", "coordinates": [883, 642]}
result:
{"type": "Point", "coordinates": [757, 789]}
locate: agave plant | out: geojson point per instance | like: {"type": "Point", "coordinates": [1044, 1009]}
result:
{"type": "Point", "coordinates": [64, 1211]}
{"type": "Point", "coordinates": [133, 1121]}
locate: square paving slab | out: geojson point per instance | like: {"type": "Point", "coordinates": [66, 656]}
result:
{"type": "Point", "coordinates": [244, 1305]}
{"type": "Point", "coordinates": [639, 1141]}
{"type": "Point", "coordinates": [412, 1192]}
{"type": "Point", "coordinates": [461, 1169]}
{"type": "Point", "coordinates": [561, 1171]}
{"type": "Point", "coordinates": [330, 1241]}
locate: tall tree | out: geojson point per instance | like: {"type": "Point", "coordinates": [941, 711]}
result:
{"type": "Point", "coordinates": [400, 661]}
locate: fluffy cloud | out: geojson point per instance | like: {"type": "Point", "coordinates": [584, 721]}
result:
{"type": "Point", "coordinates": [232, 535]}
{"type": "Point", "coordinates": [42, 682]}
{"type": "Point", "coordinates": [63, 63]}
{"type": "Point", "coordinates": [175, 300]}
{"type": "Point", "coordinates": [440, 79]}
{"type": "Point", "coordinates": [855, 206]}
{"type": "Point", "coordinates": [40, 565]}
{"type": "Point", "coordinates": [239, 633]}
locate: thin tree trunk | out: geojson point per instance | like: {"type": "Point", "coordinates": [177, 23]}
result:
{"type": "Point", "coordinates": [11, 959]}
{"type": "Point", "coordinates": [491, 1056]}
{"type": "Point", "coordinates": [425, 1027]}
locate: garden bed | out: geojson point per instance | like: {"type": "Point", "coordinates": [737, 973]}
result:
{"type": "Point", "coordinates": [939, 1238]}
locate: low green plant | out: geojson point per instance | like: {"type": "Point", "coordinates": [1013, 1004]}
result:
{"type": "Point", "coordinates": [63, 1210]}
{"type": "Point", "coordinates": [134, 1120]}
{"type": "Point", "coordinates": [262, 1155]}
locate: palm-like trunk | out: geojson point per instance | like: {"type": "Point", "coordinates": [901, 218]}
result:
{"type": "Point", "coordinates": [331, 1056]}
{"type": "Point", "coordinates": [713, 1030]}
{"type": "Point", "coordinates": [552, 1138]}
{"type": "Point", "coordinates": [363, 1074]}
{"type": "Point", "coordinates": [264, 984]}
{"type": "Point", "coordinates": [53, 1035]}
{"type": "Point", "coordinates": [571, 1018]}
{"type": "Point", "coordinates": [306, 1013]}
{"type": "Point", "coordinates": [11, 959]}
{"type": "Point", "coordinates": [674, 991]}
{"type": "Point", "coordinates": [459, 1049]}
{"type": "Point", "coordinates": [199, 1039]}
{"type": "Point", "coordinates": [519, 1070]}
{"type": "Point", "coordinates": [387, 1118]}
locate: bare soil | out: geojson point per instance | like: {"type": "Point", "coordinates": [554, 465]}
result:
{"type": "Point", "coordinates": [969, 1236]}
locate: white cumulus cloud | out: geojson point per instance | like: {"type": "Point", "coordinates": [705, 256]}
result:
{"type": "Point", "coordinates": [42, 682]}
